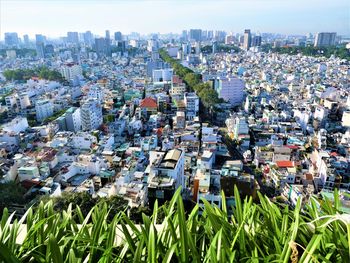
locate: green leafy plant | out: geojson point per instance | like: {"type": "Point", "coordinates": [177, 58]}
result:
{"type": "Point", "coordinates": [264, 232]}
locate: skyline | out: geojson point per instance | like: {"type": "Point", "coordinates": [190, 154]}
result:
{"type": "Point", "coordinates": [56, 18]}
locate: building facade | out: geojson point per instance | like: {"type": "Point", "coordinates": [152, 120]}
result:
{"type": "Point", "coordinates": [91, 115]}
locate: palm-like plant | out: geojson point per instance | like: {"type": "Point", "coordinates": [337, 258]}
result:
{"type": "Point", "coordinates": [262, 232]}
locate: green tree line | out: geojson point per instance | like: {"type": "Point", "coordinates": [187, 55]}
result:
{"type": "Point", "coordinates": [193, 80]}
{"type": "Point", "coordinates": [40, 72]}
{"type": "Point", "coordinates": [341, 52]}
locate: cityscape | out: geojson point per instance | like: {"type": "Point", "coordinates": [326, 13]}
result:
{"type": "Point", "coordinates": [201, 145]}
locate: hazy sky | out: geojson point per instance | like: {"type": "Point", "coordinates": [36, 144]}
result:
{"type": "Point", "coordinates": [56, 17]}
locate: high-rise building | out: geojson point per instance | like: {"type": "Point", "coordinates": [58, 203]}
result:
{"type": "Point", "coordinates": [152, 45]}
{"type": "Point", "coordinates": [26, 40]}
{"type": "Point", "coordinates": [40, 49]}
{"type": "Point", "coordinates": [43, 109]}
{"type": "Point", "coordinates": [102, 47]}
{"type": "Point", "coordinates": [71, 70]}
{"type": "Point", "coordinates": [214, 47]}
{"type": "Point", "coordinates": [256, 41]}
{"type": "Point", "coordinates": [118, 36]}
{"type": "Point", "coordinates": [247, 42]}
{"type": "Point", "coordinates": [40, 45]}
{"type": "Point", "coordinates": [49, 50]}
{"type": "Point", "coordinates": [91, 115]}
{"type": "Point", "coordinates": [88, 38]}
{"type": "Point", "coordinates": [210, 34]}
{"type": "Point", "coordinates": [184, 35]}
{"type": "Point", "coordinates": [108, 35]}
{"type": "Point", "coordinates": [230, 89]}
{"type": "Point", "coordinates": [325, 39]}
{"type": "Point", "coordinates": [11, 39]}
{"type": "Point", "coordinates": [229, 39]}
{"type": "Point", "coordinates": [198, 47]}
{"type": "Point", "coordinates": [73, 37]}
{"type": "Point", "coordinates": [122, 45]}
{"type": "Point", "coordinates": [196, 34]}
{"type": "Point", "coordinates": [40, 38]}
{"type": "Point", "coordinates": [220, 35]}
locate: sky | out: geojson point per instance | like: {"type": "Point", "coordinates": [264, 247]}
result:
{"type": "Point", "coordinates": [55, 17]}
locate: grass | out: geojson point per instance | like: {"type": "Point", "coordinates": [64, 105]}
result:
{"type": "Point", "coordinates": [263, 232]}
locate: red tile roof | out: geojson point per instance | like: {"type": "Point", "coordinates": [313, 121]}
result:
{"type": "Point", "coordinates": [148, 103]}
{"type": "Point", "coordinates": [285, 164]}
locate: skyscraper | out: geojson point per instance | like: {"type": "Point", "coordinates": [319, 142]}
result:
{"type": "Point", "coordinates": [108, 35]}
{"type": "Point", "coordinates": [40, 45]}
{"type": "Point", "coordinates": [247, 42]}
{"type": "Point", "coordinates": [325, 39]}
{"type": "Point", "coordinates": [256, 42]}
{"type": "Point", "coordinates": [184, 35]}
{"type": "Point", "coordinates": [196, 34]}
{"type": "Point", "coordinates": [73, 37]}
{"type": "Point", "coordinates": [214, 47]}
{"type": "Point", "coordinates": [26, 40]}
{"type": "Point", "coordinates": [102, 47]}
{"type": "Point", "coordinates": [11, 39]}
{"type": "Point", "coordinates": [40, 49]}
{"type": "Point", "coordinates": [118, 36]}
{"type": "Point", "coordinates": [40, 38]}
{"type": "Point", "coordinates": [88, 39]}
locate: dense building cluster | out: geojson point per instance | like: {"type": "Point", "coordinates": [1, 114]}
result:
{"type": "Point", "coordinates": [122, 121]}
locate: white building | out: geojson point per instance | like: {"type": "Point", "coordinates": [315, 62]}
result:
{"type": "Point", "coordinates": [230, 89]}
{"type": "Point", "coordinates": [71, 70]}
{"type": "Point", "coordinates": [152, 45]}
{"type": "Point", "coordinates": [162, 75]}
{"type": "Point", "coordinates": [24, 100]}
{"type": "Point", "coordinates": [17, 101]}
{"type": "Point", "coordinates": [192, 105]}
{"type": "Point", "coordinates": [169, 165]}
{"type": "Point", "coordinates": [17, 125]}
{"type": "Point", "coordinates": [91, 115]}
{"type": "Point", "coordinates": [96, 92]}
{"type": "Point", "coordinates": [73, 119]}
{"type": "Point", "coordinates": [44, 109]}
{"type": "Point", "coordinates": [346, 119]}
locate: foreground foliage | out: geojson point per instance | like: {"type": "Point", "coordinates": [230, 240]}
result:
{"type": "Point", "coordinates": [254, 233]}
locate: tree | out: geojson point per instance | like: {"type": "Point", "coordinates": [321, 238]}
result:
{"type": "Point", "coordinates": [108, 118]}
{"type": "Point", "coordinates": [192, 79]}
{"type": "Point", "coordinates": [25, 74]}
{"type": "Point", "coordinates": [11, 193]}
{"type": "Point", "coordinates": [201, 86]}
{"type": "Point", "coordinates": [209, 97]}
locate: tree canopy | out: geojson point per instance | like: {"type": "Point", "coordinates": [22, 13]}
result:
{"type": "Point", "coordinates": [206, 93]}
{"type": "Point", "coordinates": [340, 52]}
{"type": "Point", "coordinates": [40, 72]}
